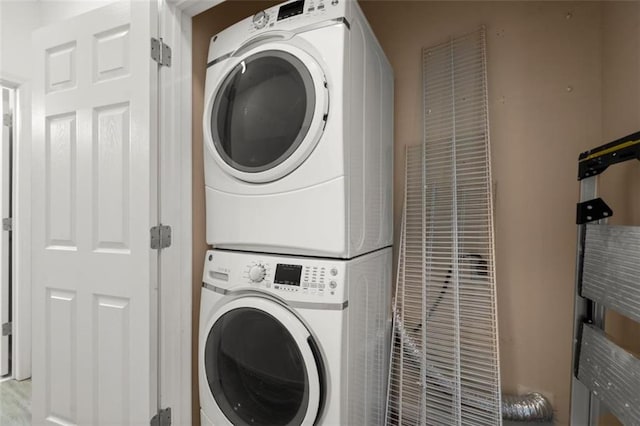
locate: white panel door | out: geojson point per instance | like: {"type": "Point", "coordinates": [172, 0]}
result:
{"type": "Point", "coordinates": [94, 200]}
{"type": "Point", "coordinates": [5, 209]}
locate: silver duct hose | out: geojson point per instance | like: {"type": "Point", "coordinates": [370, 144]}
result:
{"type": "Point", "coordinates": [532, 407]}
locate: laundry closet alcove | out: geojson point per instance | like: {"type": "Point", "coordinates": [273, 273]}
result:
{"type": "Point", "coordinates": [562, 79]}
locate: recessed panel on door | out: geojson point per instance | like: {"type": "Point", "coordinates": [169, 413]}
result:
{"type": "Point", "coordinates": [111, 177]}
{"type": "Point", "coordinates": [60, 356]}
{"type": "Point", "coordinates": [111, 346]}
{"type": "Point", "coordinates": [60, 169]}
{"type": "Point", "coordinates": [111, 54]}
{"type": "Point", "coordinates": [60, 67]}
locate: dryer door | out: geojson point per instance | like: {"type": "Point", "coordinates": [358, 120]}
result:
{"type": "Point", "coordinates": [268, 113]}
{"type": "Point", "coordinates": [262, 366]}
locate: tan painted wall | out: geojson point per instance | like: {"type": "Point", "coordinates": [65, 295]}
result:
{"type": "Point", "coordinates": [546, 91]}
{"type": "Point", "coordinates": [538, 128]}
{"type": "Point", "coordinates": [621, 105]}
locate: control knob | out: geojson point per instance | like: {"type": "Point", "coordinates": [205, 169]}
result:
{"type": "Point", "coordinates": [257, 273]}
{"type": "Point", "coordinates": [260, 19]}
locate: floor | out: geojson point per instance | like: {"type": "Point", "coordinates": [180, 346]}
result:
{"type": "Point", "coordinates": [15, 405]}
{"type": "Point", "coordinates": [15, 402]}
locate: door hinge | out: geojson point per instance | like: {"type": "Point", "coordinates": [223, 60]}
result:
{"type": "Point", "coordinates": [160, 237]}
{"type": "Point", "coordinates": [160, 52]}
{"type": "Point", "coordinates": [7, 329]}
{"type": "Point", "coordinates": [7, 119]}
{"type": "Point", "coordinates": [7, 224]}
{"type": "Point", "coordinates": [162, 418]}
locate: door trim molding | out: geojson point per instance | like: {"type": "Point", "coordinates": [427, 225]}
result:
{"type": "Point", "coordinates": [190, 8]}
{"type": "Point", "coordinates": [175, 350]}
{"type": "Point", "coordinates": [21, 212]}
{"type": "Point", "coordinates": [176, 209]}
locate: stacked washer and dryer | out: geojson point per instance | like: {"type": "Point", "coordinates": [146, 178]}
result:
{"type": "Point", "coordinates": [295, 310]}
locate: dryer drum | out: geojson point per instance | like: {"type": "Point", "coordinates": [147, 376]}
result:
{"type": "Point", "coordinates": [262, 111]}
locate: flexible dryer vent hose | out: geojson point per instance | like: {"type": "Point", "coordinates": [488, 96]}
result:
{"type": "Point", "coordinates": [532, 407]}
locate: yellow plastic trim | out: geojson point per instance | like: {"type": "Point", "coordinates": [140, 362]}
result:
{"type": "Point", "coordinates": [610, 150]}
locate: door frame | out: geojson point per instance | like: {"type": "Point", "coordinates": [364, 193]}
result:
{"type": "Point", "coordinates": [21, 229]}
{"type": "Point", "coordinates": [175, 137]}
{"type": "Point", "coordinates": [175, 310]}
{"type": "Point", "coordinates": [175, 131]}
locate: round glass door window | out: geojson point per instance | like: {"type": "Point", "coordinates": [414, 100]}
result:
{"type": "Point", "coordinates": [255, 370]}
{"type": "Point", "coordinates": [262, 111]}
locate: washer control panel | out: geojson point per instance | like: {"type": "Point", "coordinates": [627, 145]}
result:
{"type": "Point", "coordinates": [292, 277]}
{"type": "Point", "coordinates": [286, 276]}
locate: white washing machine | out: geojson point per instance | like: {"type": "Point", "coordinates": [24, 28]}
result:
{"type": "Point", "coordinates": [294, 340]}
{"type": "Point", "coordinates": [298, 133]}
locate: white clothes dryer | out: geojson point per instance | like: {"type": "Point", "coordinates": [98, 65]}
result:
{"type": "Point", "coordinates": [289, 340]}
{"type": "Point", "coordinates": [298, 133]}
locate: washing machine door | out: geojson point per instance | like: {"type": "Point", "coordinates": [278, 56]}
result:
{"type": "Point", "coordinates": [267, 113]}
{"type": "Point", "coordinates": [262, 366]}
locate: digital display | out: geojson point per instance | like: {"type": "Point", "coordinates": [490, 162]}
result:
{"type": "Point", "coordinates": [288, 274]}
{"type": "Point", "coordinates": [291, 9]}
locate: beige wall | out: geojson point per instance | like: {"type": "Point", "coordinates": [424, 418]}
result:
{"type": "Point", "coordinates": [547, 86]}
{"type": "Point", "coordinates": [544, 97]}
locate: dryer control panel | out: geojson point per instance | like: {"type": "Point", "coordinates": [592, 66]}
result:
{"type": "Point", "coordinates": [289, 277]}
{"type": "Point", "coordinates": [297, 11]}
{"type": "Point", "coordinates": [294, 16]}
